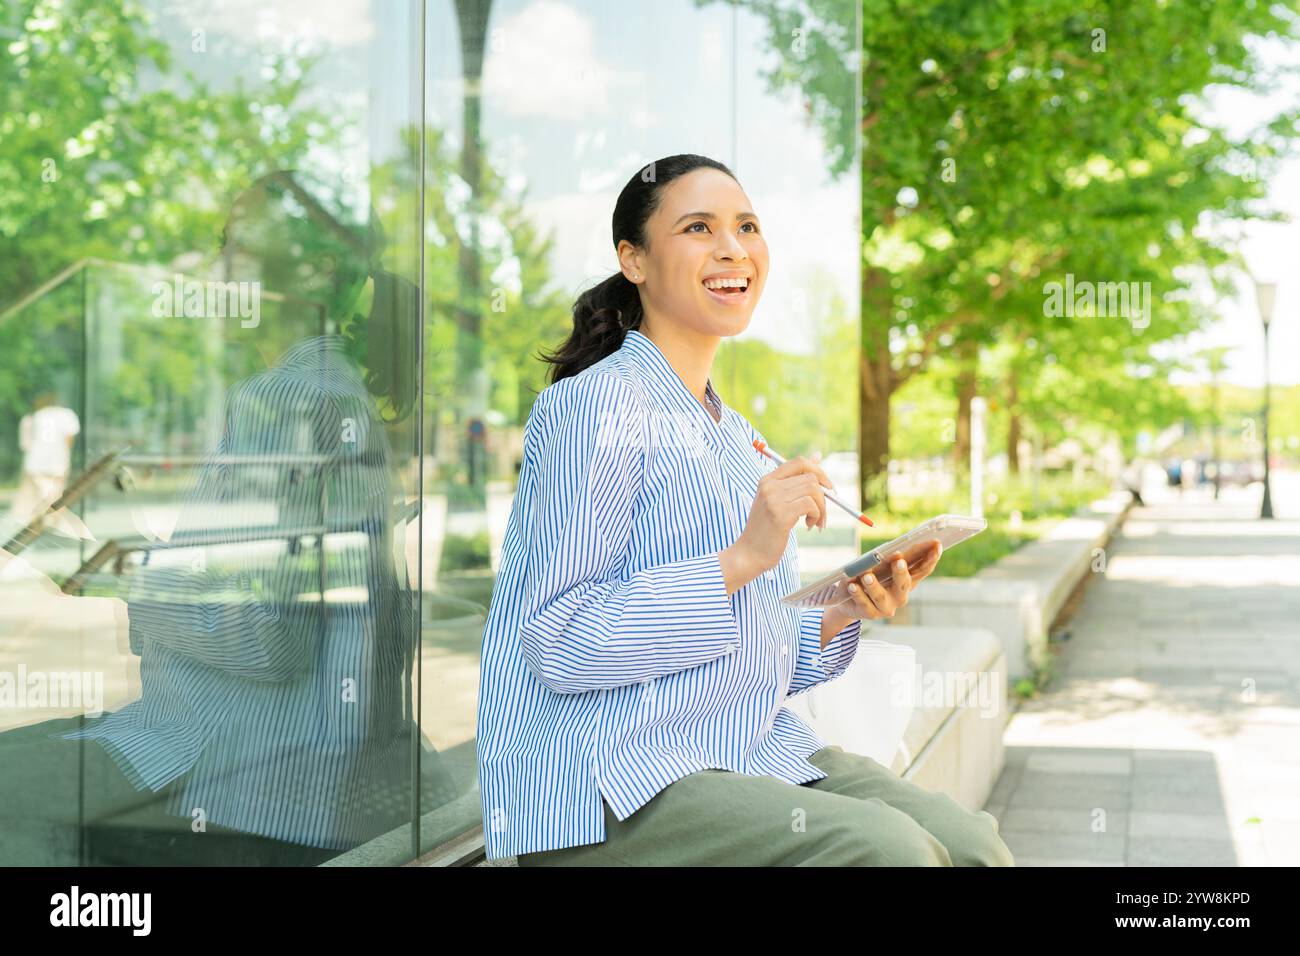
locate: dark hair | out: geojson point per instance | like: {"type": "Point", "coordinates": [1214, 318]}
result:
{"type": "Point", "coordinates": [392, 331]}
{"type": "Point", "coordinates": [605, 313]}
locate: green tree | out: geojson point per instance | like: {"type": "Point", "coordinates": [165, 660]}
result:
{"type": "Point", "coordinates": [110, 149]}
{"type": "Point", "coordinates": [1007, 145]}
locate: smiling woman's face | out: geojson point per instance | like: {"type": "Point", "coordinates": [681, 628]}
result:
{"type": "Point", "coordinates": [705, 228]}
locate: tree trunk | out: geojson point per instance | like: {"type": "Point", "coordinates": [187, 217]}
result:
{"type": "Point", "coordinates": [965, 392]}
{"type": "Point", "coordinates": [1013, 423]}
{"type": "Point", "coordinates": [472, 383]}
{"type": "Point", "coordinates": [874, 425]}
{"type": "Point", "coordinates": [875, 387]}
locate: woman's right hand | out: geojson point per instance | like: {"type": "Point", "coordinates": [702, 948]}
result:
{"type": "Point", "coordinates": [789, 492]}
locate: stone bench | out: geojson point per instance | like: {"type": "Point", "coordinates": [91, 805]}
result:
{"type": "Point", "coordinates": [953, 740]}
{"type": "Point", "coordinates": [1019, 597]}
{"type": "Point", "coordinates": [977, 635]}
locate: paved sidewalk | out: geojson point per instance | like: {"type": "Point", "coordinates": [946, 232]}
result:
{"type": "Point", "coordinates": [1171, 735]}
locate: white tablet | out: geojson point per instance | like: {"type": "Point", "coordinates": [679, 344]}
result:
{"type": "Point", "coordinates": [832, 590]}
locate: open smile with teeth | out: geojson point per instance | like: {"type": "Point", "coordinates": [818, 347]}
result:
{"type": "Point", "coordinates": [727, 289]}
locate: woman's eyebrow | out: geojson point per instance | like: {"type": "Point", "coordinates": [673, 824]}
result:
{"type": "Point", "coordinates": [709, 215]}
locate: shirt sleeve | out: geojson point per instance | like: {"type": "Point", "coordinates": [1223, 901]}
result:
{"type": "Point", "coordinates": [816, 665]}
{"type": "Point", "coordinates": [588, 621]}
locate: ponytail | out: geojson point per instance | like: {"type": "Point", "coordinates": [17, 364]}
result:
{"type": "Point", "coordinates": [602, 317]}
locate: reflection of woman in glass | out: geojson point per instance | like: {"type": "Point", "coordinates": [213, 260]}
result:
{"type": "Point", "coordinates": [636, 655]}
{"type": "Point", "coordinates": [276, 633]}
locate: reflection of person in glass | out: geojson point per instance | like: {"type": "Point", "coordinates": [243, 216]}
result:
{"type": "Point", "coordinates": [45, 437]}
{"type": "Point", "coordinates": [276, 658]}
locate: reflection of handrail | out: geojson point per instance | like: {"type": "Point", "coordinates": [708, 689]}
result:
{"type": "Point", "coordinates": [120, 547]}
{"type": "Point", "coordinates": [53, 283]}
{"type": "Point", "coordinates": [77, 580]}
{"type": "Point", "coordinates": [473, 608]}
{"type": "Point", "coordinates": [45, 287]}
{"type": "Point", "coordinates": [19, 542]}
{"type": "Point", "coordinates": [219, 459]}
{"type": "Point", "coordinates": [225, 459]}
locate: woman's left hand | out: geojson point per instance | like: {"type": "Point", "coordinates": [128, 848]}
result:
{"type": "Point", "coordinates": [872, 600]}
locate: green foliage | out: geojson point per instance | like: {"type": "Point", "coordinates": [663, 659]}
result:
{"type": "Point", "coordinates": [106, 153]}
{"type": "Point", "coordinates": [1025, 688]}
{"type": "Point", "coordinates": [801, 403]}
{"type": "Point", "coordinates": [1056, 495]}
{"type": "Point", "coordinates": [513, 311]}
{"type": "Point", "coordinates": [971, 556]}
{"type": "Point", "coordinates": [105, 131]}
{"type": "Point", "coordinates": [1008, 144]}
{"type": "Point", "coordinates": [1015, 512]}
{"type": "Point", "coordinates": [816, 60]}
{"type": "Point", "coordinates": [1064, 158]}
{"type": "Point", "coordinates": [1240, 413]}
{"type": "Point", "coordinates": [465, 552]}
{"type": "Point", "coordinates": [1037, 147]}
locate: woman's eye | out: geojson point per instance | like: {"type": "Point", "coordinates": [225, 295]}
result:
{"type": "Point", "coordinates": [702, 223]}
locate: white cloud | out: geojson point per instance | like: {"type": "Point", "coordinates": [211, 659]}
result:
{"type": "Point", "coordinates": [543, 62]}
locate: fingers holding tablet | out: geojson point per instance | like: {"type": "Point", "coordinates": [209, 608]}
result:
{"type": "Point", "coordinates": [920, 548]}
{"type": "Point", "coordinates": [869, 594]}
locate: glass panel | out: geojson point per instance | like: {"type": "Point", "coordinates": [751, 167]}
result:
{"type": "Point", "coordinates": [219, 282]}
{"type": "Point", "coordinates": [537, 116]}
{"type": "Point", "coordinates": [225, 615]}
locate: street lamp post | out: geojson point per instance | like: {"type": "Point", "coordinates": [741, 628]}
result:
{"type": "Point", "coordinates": [1265, 294]}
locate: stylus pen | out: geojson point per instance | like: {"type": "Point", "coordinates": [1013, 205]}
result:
{"type": "Point", "coordinates": [764, 450]}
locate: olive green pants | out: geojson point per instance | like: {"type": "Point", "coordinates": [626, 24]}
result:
{"type": "Point", "coordinates": [860, 814]}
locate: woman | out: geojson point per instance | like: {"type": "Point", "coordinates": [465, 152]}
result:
{"type": "Point", "coordinates": [636, 655]}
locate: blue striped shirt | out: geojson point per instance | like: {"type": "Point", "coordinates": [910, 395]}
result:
{"type": "Point", "coordinates": [614, 661]}
{"type": "Point", "coordinates": [271, 710]}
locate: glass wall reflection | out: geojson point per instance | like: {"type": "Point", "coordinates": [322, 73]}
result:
{"type": "Point", "coordinates": [248, 539]}
{"type": "Point", "coordinates": [210, 429]}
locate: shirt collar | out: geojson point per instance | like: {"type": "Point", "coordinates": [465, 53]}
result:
{"type": "Point", "coordinates": [672, 393]}
{"type": "Point", "coordinates": [315, 350]}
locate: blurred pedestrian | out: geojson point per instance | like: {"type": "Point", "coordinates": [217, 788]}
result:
{"type": "Point", "coordinates": [1174, 471]}
{"type": "Point", "coordinates": [45, 436]}
{"type": "Point", "coordinates": [1132, 478]}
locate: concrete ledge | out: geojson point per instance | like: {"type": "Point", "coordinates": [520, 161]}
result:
{"type": "Point", "coordinates": [973, 636]}
{"type": "Point", "coordinates": [1018, 597]}
{"type": "Point", "coordinates": [953, 739]}
{"type": "Point", "coordinates": [954, 745]}
{"type": "Point", "coordinates": [1013, 611]}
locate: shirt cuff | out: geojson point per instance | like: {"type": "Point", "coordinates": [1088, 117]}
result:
{"type": "Point", "coordinates": [716, 584]}
{"type": "Point", "coordinates": [835, 657]}
{"type": "Point", "coordinates": [690, 601]}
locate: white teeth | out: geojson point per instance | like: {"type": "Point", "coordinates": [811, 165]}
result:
{"type": "Point", "coordinates": [726, 283]}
